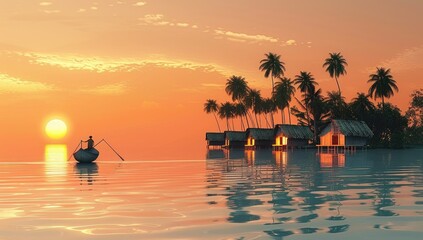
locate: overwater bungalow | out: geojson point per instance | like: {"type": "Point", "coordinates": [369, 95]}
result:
{"type": "Point", "coordinates": [235, 139]}
{"type": "Point", "coordinates": [259, 138]}
{"type": "Point", "coordinates": [344, 134]}
{"type": "Point", "coordinates": [291, 136]}
{"type": "Point", "coordinates": [215, 140]}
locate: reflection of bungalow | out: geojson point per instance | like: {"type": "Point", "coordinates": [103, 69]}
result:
{"type": "Point", "coordinates": [235, 139]}
{"type": "Point", "coordinates": [332, 160]}
{"type": "Point", "coordinates": [259, 138]}
{"type": "Point", "coordinates": [215, 139]}
{"type": "Point", "coordinates": [345, 134]}
{"type": "Point", "coordinates": [291, 136]}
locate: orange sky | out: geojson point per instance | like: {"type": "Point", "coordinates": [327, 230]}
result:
{"type": "Point", "coordinates": [138, 72]}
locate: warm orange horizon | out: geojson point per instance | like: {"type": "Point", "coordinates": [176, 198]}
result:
{"type": "Point", "coordinates": [138, 72]}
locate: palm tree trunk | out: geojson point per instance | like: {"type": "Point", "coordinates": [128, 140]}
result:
{"type": "Point", "coordinates": [246, 119]}
{"type": "Point", "coordinates": [267, 122]}
{"type": "Point", "coordinates": [281, 115]}
{"type": "Point", "coordinates": [227, 123]}
{"type": "Point", "coordinates": [258, 125]}
{"type": "Point", "coordinates": [383, 103]}
{"type": "Point", "coordinates": [233, 124]}
{"type": "Point", "coordinates": [214, 114]}
{"type": "Point", "coordinates": [339, 89]}
{"type": "Point", "coordinates": [315, 127]}
{"type": "Point", "coordinates": [272, 119]}
{"type": "Point", "coordinates": [289, 113]}
{"type": "Point", "coordinates": [242, 123]}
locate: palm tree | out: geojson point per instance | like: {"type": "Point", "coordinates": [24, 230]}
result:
{"type": "Point", "coordinates": [314, 103]}
{"type": "Point", "coordinates": [273, 66]}
{"type": "Point", "coordinates": [284, 90]}
{"type": "Point", "coordinates": [382, 84]}
{"type": "Point", "coordinates": [268, 107]}
{"type": "Point", "coordinates": [211, 107]}
{"type": "Point", "coordinates": [305, 82]}
{"type": "Point", "coordinates": [226, 110]}
{"type": "Point", "coordinates": [237, 87]}
{"type": "Point", "coordinates": [240, 111]}
{"type": "Point", "coordinates": [252, 101]}
{"type": "Point", "coordinates": [361, 106]}
{"type": "Point", "coordinates": [335, 64]}
{"type": "Point", "coordinates": [337, 105]}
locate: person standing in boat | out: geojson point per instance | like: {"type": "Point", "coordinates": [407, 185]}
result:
{"type": "Point", "coordinates": [90, 143]}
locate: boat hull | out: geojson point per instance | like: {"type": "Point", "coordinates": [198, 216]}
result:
{"type": "Point", "coordinates": [86, 155]}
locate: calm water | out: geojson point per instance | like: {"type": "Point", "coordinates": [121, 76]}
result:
{"type": "Point", "coordinates": [374, 194]}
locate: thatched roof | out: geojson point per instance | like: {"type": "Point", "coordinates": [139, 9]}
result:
{"type": "Point", "coordinates": [235, 135]}
{"type": "Point", "coordinates": [350, 128]}
{"type": "Point", "coordinates": [294, 131]}
{"type": "Point", "coordinates": [261, 133]}
{"type": "Point", "coordinates": [213, 136]}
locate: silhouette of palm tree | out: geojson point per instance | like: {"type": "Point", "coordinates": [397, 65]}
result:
{"type": "Point", "coordinates": [383, 84]}
{"type": "Point", "coordinates": [283, 92]}
{"type": "Point", "coordinates": [273, 66]}
{"type": "Point", "coordinates": [211, 107]}
{"type": "Point", "coordinates": [253, 101]}
{"type": "Point", "coordinates": [337, 105]}
{"type": "Point", "coordinates": [237, 87]}
{"type": "Point", "coordinates": [335, 64]}
{"type": "Point", "coordinates": [226, 111]}
{"type": "Point", "coordinates": [306, 85]}
{"type": "Point", "coordinates": [361, 106]}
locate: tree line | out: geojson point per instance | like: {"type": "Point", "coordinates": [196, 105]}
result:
{"type": "Point", "coordinates": [313, 109]}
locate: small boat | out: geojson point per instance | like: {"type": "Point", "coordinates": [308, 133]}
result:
{"type": "Point", "coordinates": [86, 155]}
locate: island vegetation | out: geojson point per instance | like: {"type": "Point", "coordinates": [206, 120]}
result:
{"type": "Point", "coordinates": [315, 109]}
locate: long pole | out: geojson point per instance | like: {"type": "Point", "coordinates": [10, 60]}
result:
{"type": "Point", "coordinates": [80, 143]}
{"type": "Point", "coordinates": [103, 140]}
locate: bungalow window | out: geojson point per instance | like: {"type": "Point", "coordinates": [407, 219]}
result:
{"type": "Point", "coordinates": [335, 139]}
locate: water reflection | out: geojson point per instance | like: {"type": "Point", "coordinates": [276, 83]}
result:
{"type": "Point", "coordinates": [332, 159]}
{"type": "Point", "coordinates": [55, 156]}
{"type": "Point", "coordinates": [305, 187]}
{"type": "Point", "coordinates": [87, 173]}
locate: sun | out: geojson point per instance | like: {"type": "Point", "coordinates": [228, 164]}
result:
{"type": "Point", "coordinates": [56, 129]}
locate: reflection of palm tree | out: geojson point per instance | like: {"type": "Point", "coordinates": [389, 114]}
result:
{"type": "Point", "coordinates": [361, 106]}
{"type": "Point", "coordinates": [335, 65]}
{"type": "Point", "coordinates": [283, 92]}
{"type": "Point", "coordinates": [273, 66]}
{"type": "Point", "coordinates": [211, 107]}
{"type": "Point", "coordinates": [382, 84]}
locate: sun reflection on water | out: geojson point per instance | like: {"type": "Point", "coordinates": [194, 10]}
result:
{"type": "Point", "coordinates": [55, 160]}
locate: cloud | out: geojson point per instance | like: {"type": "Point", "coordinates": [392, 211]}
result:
{"type": "Point", "coordinates": [51, 11]}
{"type": "Point", "coordinates": [101, 64]}
{"type": "Point", "coordinates": [139, 4]}
{"type": "Point", "coordinates": [9, 84]}
{"type": "Point", "coordinates": [243, 37]}
{"type": "Point", "coordinates": [291, 42]}
{"type": "Point", "coordinates": [158, 20]}
{"type": "Point", "coordinates": [45, 3]}
{"type": "Point", "coordinates": [109, 89]}
{"type": "Point", "coordinates": [154, 19]}
{"type": "Point", "coordinates": [409, 59]}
